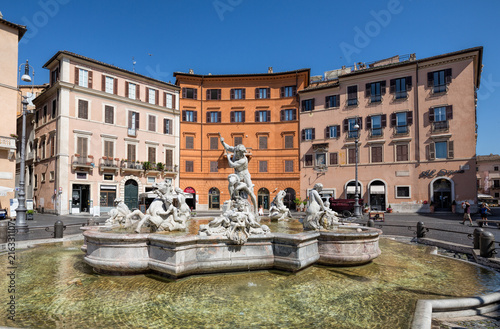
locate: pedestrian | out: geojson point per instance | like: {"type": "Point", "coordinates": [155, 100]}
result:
{"type": "Point", "coordinates": [467, 213]}
{"type": "Point", "coordinates": [261, 211]}
{"type": "Point", "coordinates": [484, 213]}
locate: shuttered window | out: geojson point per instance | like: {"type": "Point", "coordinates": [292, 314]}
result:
{"type": "Point", "coordinates": [108, 114]}
{"type": "Point", "coordinates": [169, 158]}
{"type": "Point", "coordinates": [288, 141]}
{"type": "Point", "coordinates": [308, 160]}
{"type": "Point", "coordinates": [334, 158]}
{"type": "Point", "coordinates": [237, 94]}
{"type": "Point", "coordinates": [189, 142]}
{"type": "Point", "coordinates": [189, 166]}
{"type": "Point", "coordinates": [352, 95]}
{"type": "Point", "coordinates": [152, 154]}
{"type": "Point", "coordinates": [167, 126]}
{"type": "Point", "coordinates": [214, 143]}
{"type": "Point", "coordinates": [332, 101]}
{"type": "Point", "coordinates": [262, 166]}
{"type": "Point", "coordinates": [151, 123]}
{"type": "Point", "coordinates": [402, 152]}
{"type": "Point", "coordinates": [376, 154]}
{"type": "Point", "coordinates": [288, 115]}
{"type": "Point", "coordinates": [238, 140]}
{"type": "Point", "coordinates": [189, 93]}
{"type": "Point", "coordinates": [131, 152]}
{"type": "Point", "coordinates": [213, 94]}
{"type": "Point", "coordinates": [288, 91]}
{"type": "Point", "coordinates": [288, 165]}
{"type": "Point", "coordinates": [83, 109]}
{"type": "Point", "coordinates": [263, 142]}
{"type": "Point", "coordinates": [351, 156]}
{"type": "Point", "coordinates": [214, 167]}
{"type": "Point", "coordinates": [81, 146]}
{"type": "Point", "coordinates": [108, 149]}
{"type": "Point", "coordinates": [54, 108]}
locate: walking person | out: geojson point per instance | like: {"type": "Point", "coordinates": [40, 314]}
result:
{"type": "Point", "coordinates": [467, 213]}
{"type": "Point", "coordinates": [484, 213]}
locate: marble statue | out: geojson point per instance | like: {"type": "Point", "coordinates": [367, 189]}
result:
{"type": "Point", "coordinates": [318, 216]}
{"type": "Point", "coordinates": [118, 214]}
{"type": "Point", "coordinates": [278, 211]}
{"type": "Point", "coordinates": [240, 218]}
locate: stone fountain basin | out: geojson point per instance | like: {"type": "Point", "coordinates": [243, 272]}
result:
{"type": "Point", "coordinates": [178, 256]}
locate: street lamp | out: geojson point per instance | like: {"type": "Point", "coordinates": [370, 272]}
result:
{"type": "Point", "coordinates": [21, 225]}
{"type": "Point", "coordinates": [357, 210]}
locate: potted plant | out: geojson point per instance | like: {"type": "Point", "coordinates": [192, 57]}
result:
{"type": "Point", "coordinates": [160, 166]}
{"type": "Point", "coordinates": [29, 214]}
{"type": "Point", "coordinates": [389, 209]}
{"type": "Point", "coordinates": [146, 165]}
{"type": "Point", "coordinates": [366, 208]}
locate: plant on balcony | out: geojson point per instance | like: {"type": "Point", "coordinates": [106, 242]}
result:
{"type": "Point", "coordinates": [77, 155]}
{"type": "Point", "coordinates": [146, 165]}
{"type": "Point", "coordinates": [13, 136]}
{"type": "Point", "coordinates": [389, 209]}
{"type": "Point", "coordinates": [160, 166]}
{"type": "Point", "coordinates": [105, 158]}
{"type": "Point", "coordinates": [117, 159]}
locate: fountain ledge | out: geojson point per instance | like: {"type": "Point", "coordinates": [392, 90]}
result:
{"type": "Point", "coordinates": [178, 256]}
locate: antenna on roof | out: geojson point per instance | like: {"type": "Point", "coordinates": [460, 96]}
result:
{"type": "Point", "coordinates": [133, 64]}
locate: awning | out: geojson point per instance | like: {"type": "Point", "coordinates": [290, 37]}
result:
{"type": "Point", "coordinates": [351, 189]}
{"type": "Point", "coordinates": [484, 196]}
{"type": "Point", "coordinates": [377, 189]}
{"type": "Point", "coordinates": [4, 190]}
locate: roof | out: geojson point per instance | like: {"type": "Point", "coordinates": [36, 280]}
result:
{"type": "Point", "coordinates": [316, 86]}
{"type": "Point", "coordinates": [65, 52]}
{"type": "Point", "coordinates": [241, 75]}
{"type": "Point", "coordinates": [21, 28]}
{"type": "Point", "coordinates": [491, 157]}
{"type": "Point", "coordinates": [321, 85]}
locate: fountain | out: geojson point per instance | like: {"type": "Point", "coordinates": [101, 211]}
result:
{"type": "Point", "coordinates": [234, 241]}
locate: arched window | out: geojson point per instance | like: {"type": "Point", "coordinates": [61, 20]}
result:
{"type": "Point", "coordinates": [263, 198]}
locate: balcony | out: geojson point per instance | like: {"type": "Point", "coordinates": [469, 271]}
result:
{"type": "Point", "coordinates": [109, 164]}
{"type": "Point", "coordinates": [376, 133]}
{"type": "Point", "coordinates": [132, 132]}
{"type": "Point", "coordinates": [132, 167]}
{"type": "Point", "coordinates": [440, 126]}
{"type": "Point", "coordinates": [79, 162]}
{"type": "Point", "coordinates": [352, 102]}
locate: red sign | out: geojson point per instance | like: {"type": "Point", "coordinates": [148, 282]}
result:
{"type": "Point", "coordinates": [189, 190]}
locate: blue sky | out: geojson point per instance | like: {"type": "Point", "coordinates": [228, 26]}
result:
{"type": "Point", "coordinates": [248, 36]}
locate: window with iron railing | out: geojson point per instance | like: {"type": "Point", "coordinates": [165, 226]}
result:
{"type": "Point", "coordinates": [439, 80]}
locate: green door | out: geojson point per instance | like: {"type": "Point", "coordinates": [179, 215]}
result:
{"type": "Point", "coordinates": [131, 194]}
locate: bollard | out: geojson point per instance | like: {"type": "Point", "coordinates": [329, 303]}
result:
{"type": "Point", "coordinates": [487, 244]}
{"type": "Point", "coordinates": [420, 230]}
{"type": "Point", "coordinates": [370, 223]}
{"type": "Point", "coordinates": [58, 229]}
{"type": "Point", "coordinates": [4, 227]}
{"type": "Point", "coordinates": [90, 222]}
{"type": "Point", "coordinates": [477, 235]}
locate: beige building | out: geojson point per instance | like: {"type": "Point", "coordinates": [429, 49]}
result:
{"type": "Point", "coordinates": [488, 178]}
{"type": "Point", "coordinates": [10, 34]}
{"type": "Point", "coordinates": [102, 132]}
{"type": "Point", "coordinates": [417, 135]}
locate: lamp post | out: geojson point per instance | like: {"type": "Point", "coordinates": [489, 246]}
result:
{"type": "Point", "coordinates": [21, 225]}
{"type": "Point", "coordinates": [357, 210]}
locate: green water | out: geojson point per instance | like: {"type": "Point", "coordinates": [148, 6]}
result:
{"type": "Point", "coordinates": [56, 289]}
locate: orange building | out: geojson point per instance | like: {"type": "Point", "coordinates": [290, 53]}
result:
{"type": "Point", "coordinates": [259, 111]}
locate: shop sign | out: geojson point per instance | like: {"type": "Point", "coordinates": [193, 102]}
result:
{"type": "Point", "coordinates": [442, 172]}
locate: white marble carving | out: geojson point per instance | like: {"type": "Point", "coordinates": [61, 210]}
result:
{"type": "Point", "coordinates": [318, 216]}
{"type": "Point", "coordinates": [278, 211]}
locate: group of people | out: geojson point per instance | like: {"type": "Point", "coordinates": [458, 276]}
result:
{"type": "Point", "coordinates": [483, 210]}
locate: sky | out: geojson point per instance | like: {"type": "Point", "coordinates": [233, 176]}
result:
{"type": "Point", "coordinates": [248, 36]}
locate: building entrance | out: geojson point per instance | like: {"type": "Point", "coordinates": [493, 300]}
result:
{"type": "Point", "coordinates": [377, 196]}
{"type": "Point", "coordinates": [263, 198]}
{"type": "Point", "coordinates": [191, 197]}
{"type": "Point", "coordinates": [289, 198]}
{"type": "Point", "coordinates": [214, 198]}
{"type": "Point", "coordinates": [80, 199]}
{"type": "Point", "coordinates": [442, 195]}
{"type": "Point", "coordinates": [131, 194]}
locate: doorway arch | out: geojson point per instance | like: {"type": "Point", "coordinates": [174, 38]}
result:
{"type": "Point", "coordinates": [131, 194]}
{"type": "Point", "coordinates": [214, 198]}
{"type": "Point", "coordinates": [263, 198]}
{"type": "Point", "coordinates": [377, 195]}
{"type": "Point", "coordinates": [289, 198]}
{"type": "Point", "coordinates": [350, 189]}
{"type": "Point", "coordinates": [442, 193]}
{"type": "Point", "coordinates": [191, 197]}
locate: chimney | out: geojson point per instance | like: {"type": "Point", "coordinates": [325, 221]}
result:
{"type": "Point", "coordinates": [191, 71]}
{"type": "Point", "coordinates": [270, 69]}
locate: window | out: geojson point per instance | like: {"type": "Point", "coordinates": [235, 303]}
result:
{"type": "Point", "coordinates": [289, 141]}
{"type": "Point", "coordinates": [332, 132]}
{"type": "Point", "coordinates": [237, 116]}
{"type": "Point", "coordinates": [152, 96]}
{"type": "Point", "coordinates": [167, 126]}
{"type": "Point", "coordinates": [375, 90]}
{"type": "Point", "coordinates": [108, 149]}
{"type": "Point", "coordinates": [81, 146]}
{"type": "Point", "coordinates": [402, 191]}
{"type": "Point", "coordinates": [108, 114]}
{"type": "Point", "coordinates": [321, 160]}
{"type": "Point", "coordinates": [131, 152]}
{"type": "Point", "coordinates": [151, 123]}
{"type": "Point", "coordinates": [332, 101]}
{"type": "Point", "coordinates": [214, 167]}
{"type": "Point", "coordinates": [152, 154]}
{"type": "Point", "coordinates": [189, 166]}
{"type": "Point", "coordinates": [401, 152]}
{"type": "Point", "coordinates": [44, 113]}
{"type": "Point", "coordinates": [213, 94]}
{"type": "Point", "coordinates": [238, 140]}
{"type": "Point", "coordinates": [376, 153]}
{"type": "Point", "coordinates": [54, 76]}
{"type": "Point", "coordinates": [352, 95]}
{"type": "Point", "coordinates": [441, 150]}
{"type": "Point", "coordinates": [189, 116]}
{"type": "Point", "coordinates": [288, 115]}
{"type": "Point", "coordinates": [54, 108]}
{"type": "Point", "coordinates": [53, 146]}
{"type": "Point", "coordinates": [109, 85]}
{"type": "Point", "coordinates": [496, 183]}
{"type": "Point", "coordinates": [307, 105]}
{"type": "Point", "coordinates": [189, 93]}
{"type": "Point", "coordinates": [262, 142]}
{"type": "Point", "coordinates": [43, 178]}
{"type": "Point", "coordinates": [237, 94]}
{"type": "Point", "coordinates": [213, 116]}
{"type": "Point", "coordinates": [349, 124]}
{"type": "Point", "coordinates": [308, 160]}
{"type": "Point", "coordinates": [439, 117]}
{"type": "Point", "coordinates": [288, 165]}
{"type": "Point", "coordinates": [262, 93]}
{"type": "Point", "coordinates": [214, 143]}
{"type": "Point", "coordinates": [400, 121]}
{"type": "Point", "coordinates": [438, 80]}
{"type": "Point", "coordinates": [189, 142]}
{"type": "Point", "coordinates": [495, 168]}
{"type": "Point", "coordinates": [262, 116]}
{"type": "Point", "coordinates": [308, 134]}
{"type": "Point", "coordinates": [169, 101]}
{"type": "Point", "coordinates": [262, 166]}
{"type": "Point", "coordinates": [288, 91]}
{"type": "Point", "coordinates": [83, 78]}
{"type": "Point", "coordinates": [334, 158]}
{"type": "Point", "coordinates": [169, 159]}
{"type": "Point", "coordinates": [133, 123]}
{"type": "Point", "coordinates": [375, 123]}
{"type": "Point", "coordinates": [497, 195]}
{"type": "Point", "coordinates": [351, 156]}
{"type": "Point", "coordinates": [35, 178]}
{"type": "Point", "coordinates": [131, 90]}
{"type": "Point", "coordinates": [83, 109]}
{"type": "Point", "coordinates": [400, 87]}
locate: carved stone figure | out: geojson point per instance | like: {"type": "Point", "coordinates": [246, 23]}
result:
{"type": "Point", "coordinates": [239, 219]}
{"type": "Point", "coordinates": [118, 214]}
{"type": "Point", "coordinates": [278, 211]}
{"type": "Point", "coordinates": [318, 216]}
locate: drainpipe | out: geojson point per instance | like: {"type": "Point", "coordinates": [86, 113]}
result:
{"type": "Point", "coordinates": [201, 124]}
{"type": "Point", "coordinates": [417, 119]}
